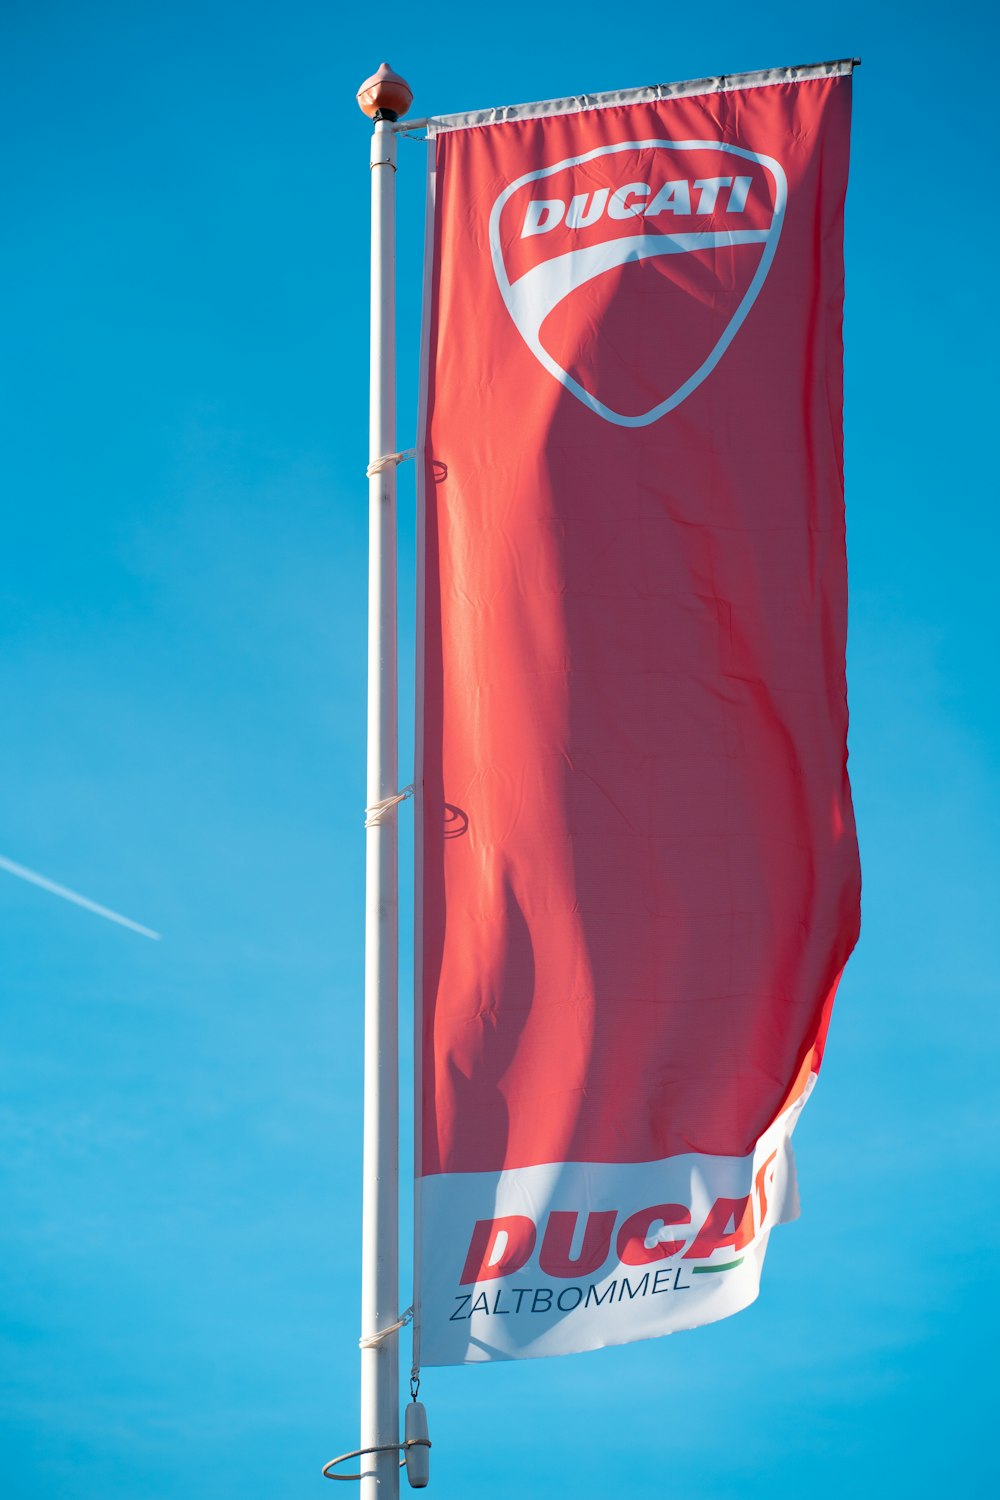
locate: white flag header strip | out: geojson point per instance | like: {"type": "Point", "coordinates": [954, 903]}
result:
{"type": "Point", "coordinates": [725, 83]}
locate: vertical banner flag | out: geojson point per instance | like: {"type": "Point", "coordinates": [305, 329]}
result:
{"type": "Point", "coordinates": [637, 870]}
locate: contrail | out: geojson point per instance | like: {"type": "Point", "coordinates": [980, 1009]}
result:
{"type": "Point", "coordinates": [67, 895]}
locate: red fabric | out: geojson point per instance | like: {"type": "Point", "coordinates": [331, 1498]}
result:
{"type": "Point", "coordinates": [639, 868]}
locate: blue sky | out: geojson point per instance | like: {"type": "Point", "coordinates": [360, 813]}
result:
{"type": "Point", "coordinates": [182, 590]}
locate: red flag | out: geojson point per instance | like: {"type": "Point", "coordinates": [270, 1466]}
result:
{"type": "Point", "coordinates": [637, 868]}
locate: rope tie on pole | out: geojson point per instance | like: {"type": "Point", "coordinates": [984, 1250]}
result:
{"type": "Point", "coordinates": [387, 460]}
{"type": "Point", "coordinates": [372, 1340]}
{"type": "Point", "coordinates": [379, 811]}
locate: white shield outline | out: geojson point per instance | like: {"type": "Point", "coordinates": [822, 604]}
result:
{"type": "Point", "coordinates": [522, 305]}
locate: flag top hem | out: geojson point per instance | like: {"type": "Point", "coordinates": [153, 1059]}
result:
{"type": "Point", "coordinates": [725, 83]}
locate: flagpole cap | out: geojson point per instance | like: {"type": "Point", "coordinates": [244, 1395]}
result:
{"type": "Point", "coordinates": [385, 96]}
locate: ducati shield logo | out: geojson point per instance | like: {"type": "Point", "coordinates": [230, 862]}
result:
{"type": "Point", "coordinates": [629, 270]}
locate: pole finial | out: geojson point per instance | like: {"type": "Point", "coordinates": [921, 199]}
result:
{"type": "Point", "coordinates": [385, 95]}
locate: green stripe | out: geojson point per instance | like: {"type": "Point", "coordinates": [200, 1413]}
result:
{"type": "Point", "coordinates": [728, 1265]}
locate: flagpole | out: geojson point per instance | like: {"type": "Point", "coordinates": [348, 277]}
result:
{"type": "Point", "coordinates": [383, 98]}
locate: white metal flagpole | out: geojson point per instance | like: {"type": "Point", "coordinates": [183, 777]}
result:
{"type": "Point", "coordinates": [383, 97]}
